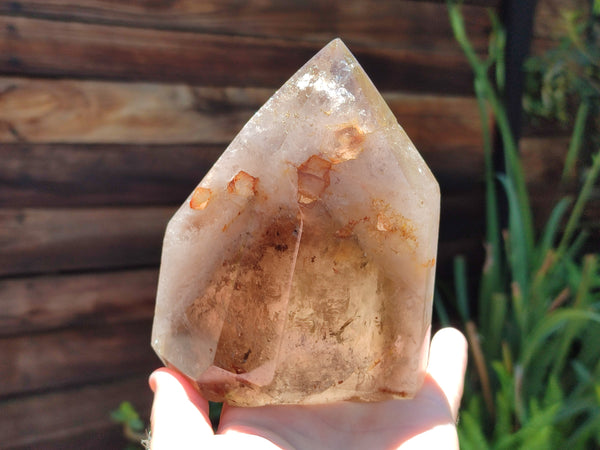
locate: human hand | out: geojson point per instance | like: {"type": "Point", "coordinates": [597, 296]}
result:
{"type": "Point", "coordinates": [180, 415]}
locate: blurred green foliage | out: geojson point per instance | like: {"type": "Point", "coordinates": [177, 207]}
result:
{"type": "Point", "coordinates": [133, 426]}
{"type": "Point", "coordinates": [566, 74]}
{"type": "Point", "coordinates": [564, 82]}
{"type": "Point", "coordinates": [534, 377]}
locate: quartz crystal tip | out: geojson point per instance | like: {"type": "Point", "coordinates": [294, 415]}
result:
{"type": "Point", "coordinates": [301, 268]}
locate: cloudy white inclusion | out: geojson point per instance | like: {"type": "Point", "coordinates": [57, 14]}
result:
{"type": "Point", "coordinates": [336, 93]}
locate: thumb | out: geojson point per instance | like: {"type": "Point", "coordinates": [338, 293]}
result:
{"type": "Point", "coordinates": [179, 414]}
{"type": "Point", "coordinates": [448, 363]}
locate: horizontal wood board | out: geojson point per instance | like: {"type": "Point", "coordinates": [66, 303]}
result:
{"type": "Point", "coordinates": [53, 240]}
{"type": "Point", "coordinates": [31, 305]}
{"type": "Point", "coordinates": [393, 23]}
{"type": "Point", "coordinates": [72, 418]}
{"type": "Point", "coordinates": [70, 111]}
{"type": "Point", "coordinates": [62, 49]}
{"type": "Point", "coordinates": [75, 356]}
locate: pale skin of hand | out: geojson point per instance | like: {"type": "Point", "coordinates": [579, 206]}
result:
{"type": "Point", "coordinates": [428, 421]}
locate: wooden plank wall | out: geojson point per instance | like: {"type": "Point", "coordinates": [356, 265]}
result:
{"type": "Point", "coordinates": [111, 112]}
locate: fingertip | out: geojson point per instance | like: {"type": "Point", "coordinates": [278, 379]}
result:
{"type": "Point", "coordinates": [152, 382]}
{"type": "Point", "coordinates": [153, 376]}
{"type": "Point", "coordinates": [450, 336]}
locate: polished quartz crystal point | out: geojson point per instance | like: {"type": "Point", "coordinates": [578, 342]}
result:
{"type": "Point", "coordinates": [301, 268]}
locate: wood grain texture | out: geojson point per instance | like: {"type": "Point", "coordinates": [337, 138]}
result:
{"type": "Point", "coordinates": [53, 240]}
{"type": "Point", "coordinates": [488, 3]}
{"type": "Point", "coordinates": [445, 129]}
{"type": "Point", "coordinates": [64, 419]}
{"type": "Point", "coordinates": [398, 23]}
{"type": "Point", "coordinates": [75, 356]}
{"type": "Point", "coordinates": [549, 22]}
{"type": "Point", "coordinates": [50, 48]}
{"type": "Point", "coordinates": [37, 304]}
{"type": "Point", "coordinates": [544, 201]}
{"type": "Point", "coordinates": [550, 25]}
{"type": "Point", "coordinates": [70, 111]}
{"type": "Point", "coordinates": [71, 175]}
{"type": "Point", "coordinates": [101, 112]}
{"type": "Point", "coordinates": [543, 159]}
{"type": "Point", "coordinates": [94, 437]}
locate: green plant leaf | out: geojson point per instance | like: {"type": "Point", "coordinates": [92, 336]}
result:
{"type": "Point", "coordinates": [586, 432]}
{"type": "Point", "coordinates": [497, 319]}
{"type": "Point", "coordinates": [504, 416]}
{"type": "Point", "coordinates": [576, 140]}
{"type": "Point", "coordinates": [518, 248]}
{"type": "Point", "coordinates": [471, 433]}
{"type": "Point", "coordinates": [214, 413]}
{"type": "Point", "coordinates": [440, 309]}
{"type": "Point", "coordinates": [554, 393]}
{"type": "Point", "coordinates": [580, 203]}
{"type": "Point", "coordinates": [127, 415]}
{"type": "Point", "coordinates": [460, 283]}
{"type": "Point", "coordinates": [491, 280]}
{"type": "Point", "coordinates": [551, 229]}
{"type": "Point", "coordinates": [526, 436]}
{"type": "Point", "coordinates": [536, 339]}
{"type": "Point", "coordinates": [573, 328]}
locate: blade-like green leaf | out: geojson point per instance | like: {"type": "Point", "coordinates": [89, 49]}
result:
{"type": "Point", "coordinates": [551, 229]}
{"type": "Point", "coordinates": [518, 257]}
{"type": "Point", "coordinates": [440, 309]}
{"type": "Point", "coordinates": [536, 339]}
{"type": "Point", "coordinates": [460, 283]}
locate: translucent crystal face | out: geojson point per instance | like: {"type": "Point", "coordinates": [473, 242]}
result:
{"type": "Point", "coordinates": [301, 269]}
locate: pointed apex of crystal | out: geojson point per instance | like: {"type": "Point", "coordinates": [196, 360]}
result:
{"type": "Point", "coordinates": [300, 270]}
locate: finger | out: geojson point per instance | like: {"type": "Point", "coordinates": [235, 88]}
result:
{"type": "Point", "coordinates": [179, 414]}
{"type": "Point", "coordinates": [448, 363]}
